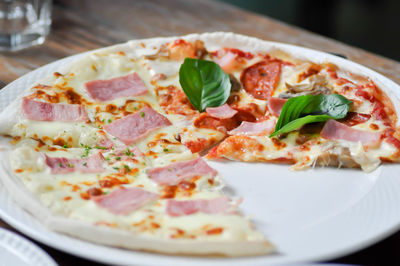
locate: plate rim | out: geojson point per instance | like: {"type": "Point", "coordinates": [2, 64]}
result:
{"type": "Point", "coordinates": [26, 243]}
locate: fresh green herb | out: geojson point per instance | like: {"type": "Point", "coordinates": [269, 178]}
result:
{"type": "Point", "coordinates": [118, 158]}
{"type": "Point", "coordinates": [116, 168]}
{"type": "Point", "coordinates": [128, 152]}
{"type": "Point", "coordinates": [103, 120]}
{"type": "Point", "coordinates": [87, 149]}
{"type": "Point", "coordinates": [204, 83]}
{"type": "Point", "coordinates": [65, 146]}
{"type": "Point", "coordinates": [141, 114]}
{"type": "Point", "coordinates": [127, 168]}
{"type": "Point", "coordinates": [60, 164]}
{"type": "Point", "coordinates": [100, 147]}
{"type": "Point", "coordinates": [84, 163]}
{"type": "Point", "coordinates": [301, 110]}
{"type": "Point", "coordinates": [109, 120]}
{"type": "Point", "coordinates": [70, 165]}
{"type": "Point", "coordinates": [165, 150]}
{"type": "Point", "coordinates": [105, 192]}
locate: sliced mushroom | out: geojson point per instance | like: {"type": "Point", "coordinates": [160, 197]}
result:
{"type": "Point", "coordinates": [314, 85]}
{"type": "Point", "coordinates": [235, 84]}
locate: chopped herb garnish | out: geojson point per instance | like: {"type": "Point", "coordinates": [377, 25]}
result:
{"type": "Point", "coordinates": [116, 168]}
{"type": "Point", "coordinates": [60, 164]}
{"type": "Point", "coordinates": [141, 114]}
{"type": "Point", "coordinates": [105, 192]}
{"type": "Point", "coordinates": [100, 147]}
{"type": "Point", "coordinates": [127, 168]}
{"type": "Point", "coordinates": [87, 148]}
{"type": "Point", "coordinates": [165, 150]}
{"type": "Point", "coordinates": [84, 163]}
{"type": "Point", "coordinates": [103, 120]}
{"type": "Point", "coordinates": [118, 158]}
{"type": "Point", "coordinates": [65, 146]}
{"type": "Point", "coordinates": [128, 152]}
{"type": "Point", "coordinates": [70, 165]}
{"type": "Point", "coordinates": [109, 120]}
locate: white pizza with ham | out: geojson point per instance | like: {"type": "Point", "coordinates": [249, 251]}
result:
{"type": "Point", "coordinates": [110, 149]}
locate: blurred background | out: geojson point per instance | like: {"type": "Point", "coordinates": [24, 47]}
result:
{"type": "Point", "coordinates": [373, 25]}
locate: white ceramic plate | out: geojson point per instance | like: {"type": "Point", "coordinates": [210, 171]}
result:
{"type": "Point", "coordinates": [312, 215]}
{"type": "Point", "coordinates": [17, 251]}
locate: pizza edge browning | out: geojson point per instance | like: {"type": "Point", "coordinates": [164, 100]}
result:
{"type": "Point", "coordinates": [121, 239]}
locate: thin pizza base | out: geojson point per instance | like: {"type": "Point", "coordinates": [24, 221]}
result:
{"type": "Point", "coordinates": [119, 238]}
{"type": "Point", "coordinates": [123, 239]}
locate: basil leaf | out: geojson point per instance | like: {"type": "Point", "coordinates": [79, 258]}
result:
{"type": "Point", "coordinates": [301, 110]}
{"type": "Point", "coordinates": [204, 83]}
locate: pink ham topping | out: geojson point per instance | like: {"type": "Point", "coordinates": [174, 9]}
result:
{"type": "Point", "coordinates": [125, 200]}
{"type": "Point", "coordinates": [226, 61]}
{"type": "Point", "coordinates": [335, 130]}
{"type": "Point", "coordinates": [176, 172]}
{"type": "Point", "coordinates": [62, 165]}
{"type": "Point", "coordinates": [42, 111]}
{"type": "Point", "coordinates": [106, 90]}
{"type": "Point", "coordinates": [221, 205]}
{"type": "Point", "coordinates": [135, 126]}
{"type": "Point", "coordinates": [250, 128]}
{"type": "Point", "coordinates": [275, 105]}
{"type": "Point", "coordinates": [221, 112]}
{"type": "Point", "coordinates": [105, 143]}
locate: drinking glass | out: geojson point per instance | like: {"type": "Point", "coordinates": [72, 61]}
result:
{"type": "Point", "coordinates": [23, 23]}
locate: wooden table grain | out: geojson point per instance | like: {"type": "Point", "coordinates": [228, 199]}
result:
{"type": "Point", "coordinates": [79, 26]}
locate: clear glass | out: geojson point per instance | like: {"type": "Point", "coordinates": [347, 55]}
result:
{"type": "Point", "coordinates": [23, 23]}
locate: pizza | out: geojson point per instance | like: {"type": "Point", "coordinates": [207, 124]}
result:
{"type": "Point", "coordinates": [114, 147]}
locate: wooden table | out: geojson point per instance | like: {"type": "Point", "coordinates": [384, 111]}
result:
{"type": "Point", "coordinates": [83, 25]}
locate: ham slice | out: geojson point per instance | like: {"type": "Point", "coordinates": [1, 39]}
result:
{"type": "Point", "coordinates": [275, 105]}
{"type": "Point", "coordinates": [105, 143]}
{"type": "Point", "coordinates": [176, 172]}
{"type": "Point", "coordinates": [62, 165]}
{"type": "Point", "coordinates": [334, 130]}
{"type": "Point", "coordinates": [106, 90]}
{"type": "Point", "coordinates": [221, 112]}
{"type": "Point", "coordinates": [257, 128]}
{"type": "Point", "coordinates": [131, 128]}
{"type": "Point", "coordinates": [125, 200]}
{"type": "Point", "coordinates": [221, 205]}
{"type": "Point", "coordinates": [42, 111]}
{"type": "Point", "coordinates": [227, 61]}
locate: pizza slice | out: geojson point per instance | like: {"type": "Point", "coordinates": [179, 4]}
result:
{"type": "Point", "coordinates": [364, 137]}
